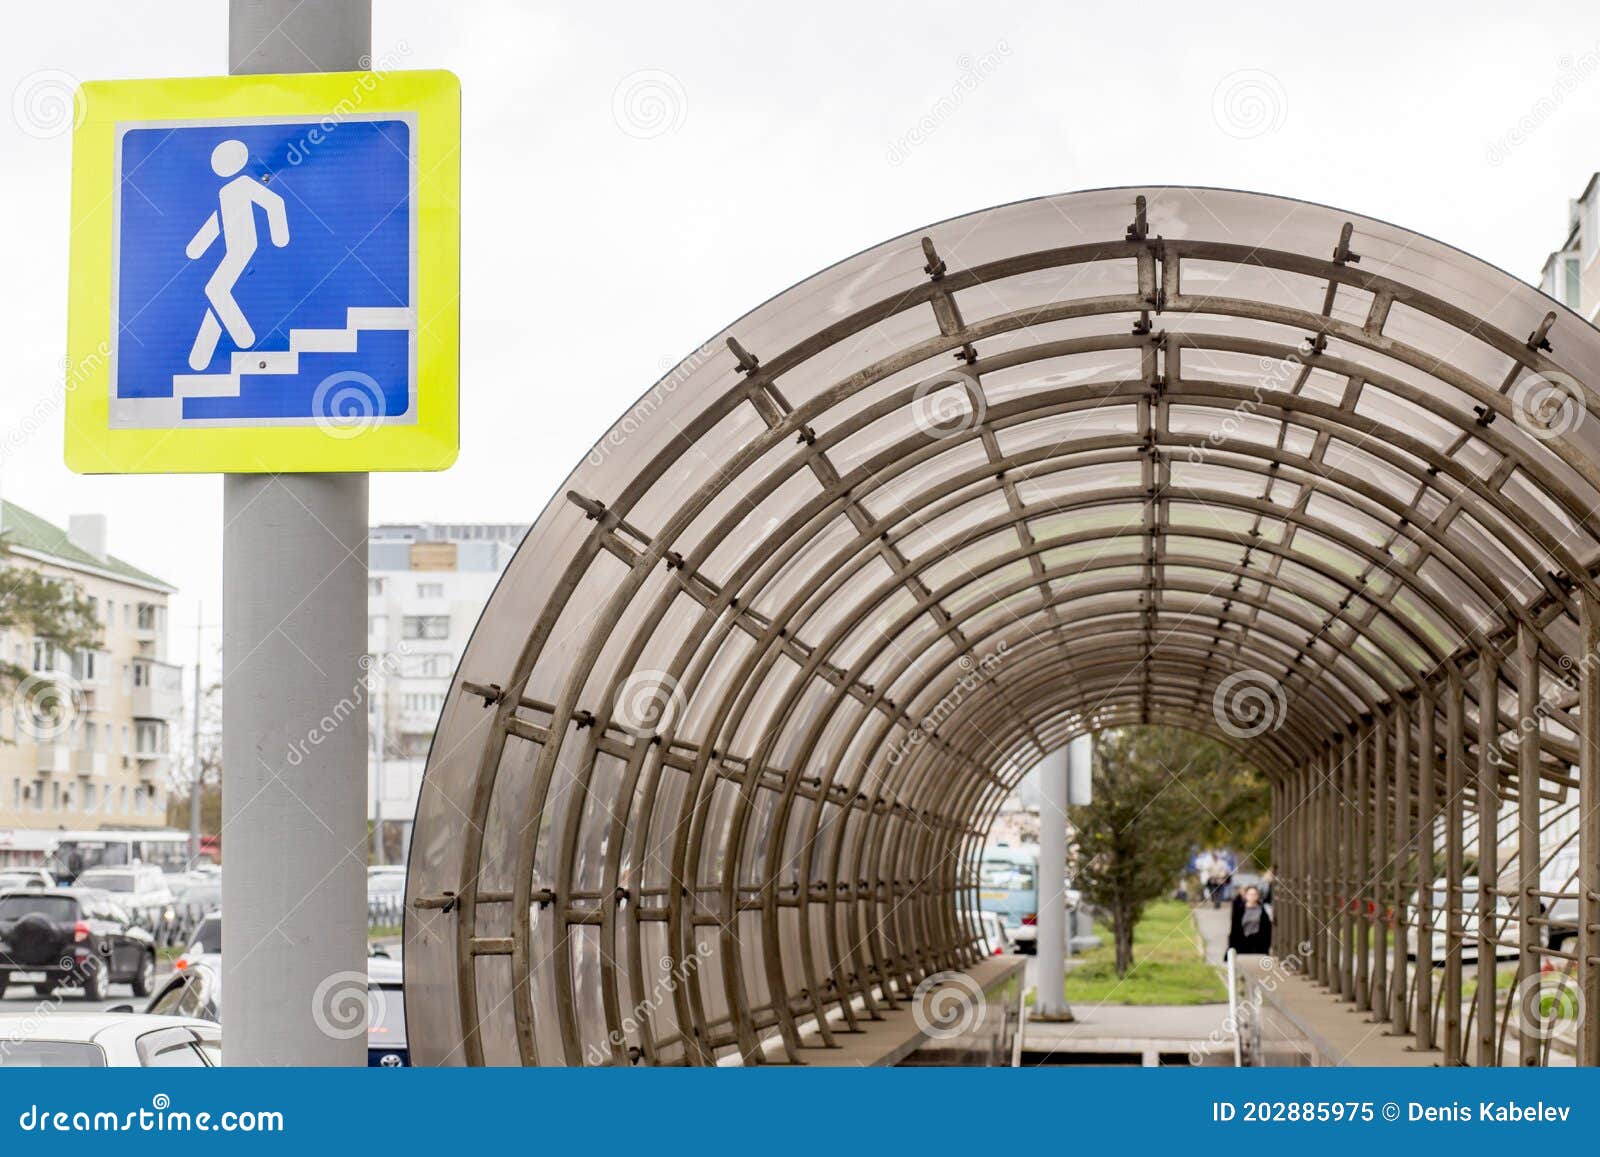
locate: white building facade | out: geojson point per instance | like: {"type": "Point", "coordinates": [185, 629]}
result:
{"type": "Point", "coordinates": [103, 760]}
{"type": "Point", "coordinates": [426, 585]}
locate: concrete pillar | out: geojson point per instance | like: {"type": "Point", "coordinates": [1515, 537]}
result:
{"type": "Point", "coordinates": [1051, 1002]}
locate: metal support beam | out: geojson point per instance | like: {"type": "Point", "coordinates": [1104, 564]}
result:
{"type": "Point", "coordinates": [1454, 859]}
{"type": "Point", "coordinates": [294, 578]}
{"type": "Point", "coordinates": [1588, 883]}
{"type": "Point", "coordinates": [1488, 854]}
{"type": "Point", "coordinates": [1361, 894]}
{"type": "Point", "coordinates": [1528, 719]}
{"type": "Point", "coordinates": [1382, 818]}
{"type": "Point", "coordinates": [1427, 815]}
{"type": "Point", "coordinates": [1399, 1011]}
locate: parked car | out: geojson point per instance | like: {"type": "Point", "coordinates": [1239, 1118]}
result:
{"type": "Point", "coordinates": [107, 1040]}
{"type": "Point", "coordinates": [386, 1014]}
{"type": "Point", "coordinates": [1561, 875]}
{"type": "Point", "coordinates": [198, 890]}
{"type": "Point", "coordinates": [206, 942]}
{"type": "Point", "coordinates": [1469, 922]}
{"type": "Point", "coordinates": [134, 886]}
{"type": "Point", "coordinates": [996, 942]}
{"type": "Point", "coordinates": [1008, 886]}
{"type": "Point", "coordinates": [12, 879]}
{"type": "Point", "coordinates": [73, 937]}
{"type": "Point", "coordinates": [196, 991]}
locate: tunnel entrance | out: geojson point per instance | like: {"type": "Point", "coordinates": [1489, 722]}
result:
{"type": "Point", "coordinates": [720, 760]}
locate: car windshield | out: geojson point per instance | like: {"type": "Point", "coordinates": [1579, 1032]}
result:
{"type": "Point", "coordinates": [56, 909]}
{"type": "Point", "coordinates": [109, 881]}
{"type": "Point", "coordinates": [386, 1017]}
{"type": "Point", "coordinates": [52, 1054]}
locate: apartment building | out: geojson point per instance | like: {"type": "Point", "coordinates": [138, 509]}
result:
{"type": "Point", "coordinates": [1571, 274]}
{"type": "Point", "coordinates": [427, 584]}
{"type": "Point", "coordinates": [104, 761]}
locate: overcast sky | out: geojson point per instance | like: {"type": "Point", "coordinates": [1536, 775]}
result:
{"type": "Point", "coordinates": [637, 175]}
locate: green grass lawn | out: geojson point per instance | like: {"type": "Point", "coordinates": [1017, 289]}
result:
{"type": "Point", "coordinates": [1168, 967]}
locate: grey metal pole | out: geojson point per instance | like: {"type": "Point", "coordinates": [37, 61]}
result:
{"type": "Point", "coordinates": [294, 728]}
{"type": "Point", "coordinates": [1051, 1003]}
{"type": "Point", "coordinates": [194, 728]}
{"type": "Point", "coordinates": [380, 692]}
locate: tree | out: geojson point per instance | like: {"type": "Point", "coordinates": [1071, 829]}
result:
{"type": "Point", "coordinates": [52, 610]}
{"type": "Point", "coordinates": [1157, 793]}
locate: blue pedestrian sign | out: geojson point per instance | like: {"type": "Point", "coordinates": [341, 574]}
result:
{"type": "Point", "coordinates": [268, 291]}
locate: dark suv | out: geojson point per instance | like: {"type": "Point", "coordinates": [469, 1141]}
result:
{"type": "Point", "coordinates": [74, 937]}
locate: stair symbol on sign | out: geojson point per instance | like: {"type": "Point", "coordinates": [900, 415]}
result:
{"type": "Point", "coordinates": [301, 341]}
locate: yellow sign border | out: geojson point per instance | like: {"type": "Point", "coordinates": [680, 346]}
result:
{"type": "Point", "coordinates": [432, 442]}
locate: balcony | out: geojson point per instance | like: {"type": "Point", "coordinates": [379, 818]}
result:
{"type": "Point", "coordinates": [157, 690]}
{"type": "Point", "coordinates": [54, 758]}
{"type": "Point", "coordinates": [153, 766]}
{"type": "Point", "coordinates": [95, 763]}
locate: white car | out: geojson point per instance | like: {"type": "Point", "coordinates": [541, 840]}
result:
{"type": "Point", "coordinates": [1469, 922]}
{"type": "Point", "coordinates": [108, 1040]}
{"type": "Point", "coordinates": [136, 886]}
{"type": "Point", "coordinates": [996, 942]}
{"type": "Point", "coordinates": [13, 879]}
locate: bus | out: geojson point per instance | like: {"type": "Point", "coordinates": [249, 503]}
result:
{"type": "Point", "coordinates": [1008, 885]}
{"type": "Point", "coordinates": [76, 852]}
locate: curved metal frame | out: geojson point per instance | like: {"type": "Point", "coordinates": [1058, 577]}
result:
{"type": "Point", "coordinates": [721, 758]}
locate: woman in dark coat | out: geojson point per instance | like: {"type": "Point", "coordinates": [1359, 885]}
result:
{"type": "Point", "coordinates": [1251, 931]}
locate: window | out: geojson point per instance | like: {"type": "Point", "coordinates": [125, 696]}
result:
{"type": "Point", "coordinates": [86, 666]}
{"type": "Point", "coordinates": [425, 627]}
{"type": "Point", "coordinates": [150, 617]}
{"type": "Point", "coordinates": [88, 797]}
{"type": "Point", "coordinates": [1573, 285]}
{"type": "Point", "coordinates": [53, 1054]}
{"type": "Point", "coordinates": [150, 737]}
{"type": "Point", "coordinates": [374, 586]}
{"type": "Point", "coordinates": [46, 657]}
{"type": "Point", "coordinates": [430, 590]}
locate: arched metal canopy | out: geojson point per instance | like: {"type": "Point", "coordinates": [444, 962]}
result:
{"type": "Point", "coordinates": [721, 752]}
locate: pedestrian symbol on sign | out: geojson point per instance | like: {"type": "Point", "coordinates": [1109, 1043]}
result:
{"type": "Point", "coordinates": [235, 221]}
